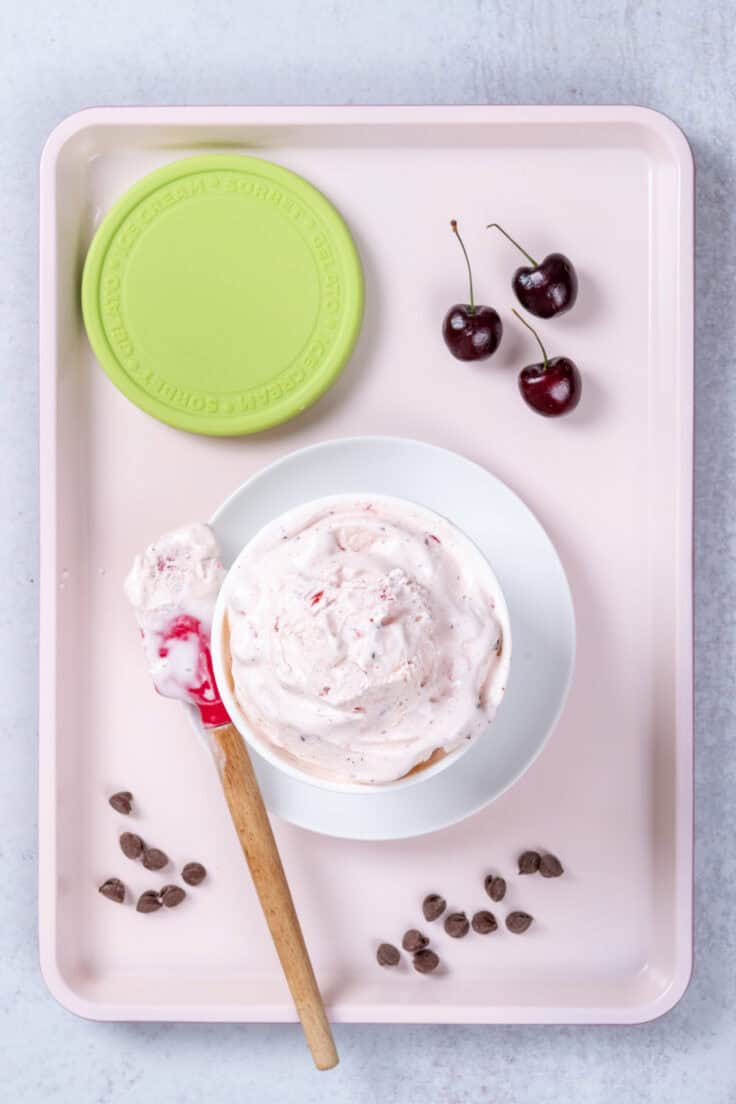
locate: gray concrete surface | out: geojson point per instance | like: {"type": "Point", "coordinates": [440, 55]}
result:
{"type": "Point", "coordinates": [675, 56]}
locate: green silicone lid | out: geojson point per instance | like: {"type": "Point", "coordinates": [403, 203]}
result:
{"type": "Point", "coordinates": [222, 294]}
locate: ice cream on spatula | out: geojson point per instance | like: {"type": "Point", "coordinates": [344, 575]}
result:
{"type": "Point", "coordinates": [172, 587]}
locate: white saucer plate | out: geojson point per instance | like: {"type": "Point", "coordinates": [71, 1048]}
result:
{"type": "Point", "coordinates": [540, 609]}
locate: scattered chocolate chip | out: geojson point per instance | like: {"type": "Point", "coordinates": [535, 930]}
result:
{"type": "Point", "coordinates": [518, 922]}
{"type": "Point", "coordinates": [193, 873]}
{"type": "Point", "coordinates": [155, 859]}
{"type": "Point", "coordinates": [529, 862]}
{"type": "Point", "coordinates": [484, 922]}
{"type": "Point", "coordinates": [131, 845]}
{"type": "Point", "coordinates": [122, 802]}
{"type": "Point", "coordinates": [113, 889]}
{"type": "Point", "coordinates": [457, 925]}
{"type": "Point", "coordinates": [433, 906]}
{"type": "Point", "coordinates": [172, 895]}
{"type": "Point", "coordinates": [414, 941]}
{"type": "Point", "coordinates": [425, 962]}
{"type": "Point", "coordinates": [148, 902]}
{"type": "Point", "coordinates": [551, 867]}
{"type": "Point", "coordinates": [387, 955]}
{"type": "Point", "coordinates": [495, 887]}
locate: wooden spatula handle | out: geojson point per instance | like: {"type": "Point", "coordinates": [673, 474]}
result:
{"type": "Point", "coordinates": [259, 847]}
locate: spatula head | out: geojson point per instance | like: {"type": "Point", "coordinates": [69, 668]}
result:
{"type": "Point", "coordinates": [180, 662]}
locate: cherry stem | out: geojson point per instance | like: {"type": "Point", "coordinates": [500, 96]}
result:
{"type": "Point", "coordinates": [456, 232]}
{"type": "Point", "coordinates": [495, 226]}
{"type": "Point", "coordinates": [539, 342]}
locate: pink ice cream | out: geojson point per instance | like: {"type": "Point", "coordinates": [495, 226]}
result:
{"type": "Point", "coordinates": [366, 633]}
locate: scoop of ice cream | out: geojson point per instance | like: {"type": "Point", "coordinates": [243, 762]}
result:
{"type": "Point", "coordinates": [364, 636]}
{"type": "Point", "coordinates": [172, 587]}
{"type": "Point", "coordinates": [179, 571]}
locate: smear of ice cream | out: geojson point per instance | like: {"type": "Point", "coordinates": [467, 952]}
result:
{"type": "Point", "coordinates": [364, 636]}
{"type": "Point", "coordinates": [172, 587]}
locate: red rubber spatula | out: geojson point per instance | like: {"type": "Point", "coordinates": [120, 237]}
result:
{"type": "Point", "coordinates": [177, 645]}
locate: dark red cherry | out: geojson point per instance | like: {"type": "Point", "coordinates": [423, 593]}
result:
{"type": "Point", "coordinates": [551, 390]}
{"type": "Point", "coordinates": [552, 387]}
{"type": "Point", "coordinates": [545, 289]}
{"type": "Point", "coordinates": [471, 331]}
{"type": "Point", "coordinates": [472, 334]}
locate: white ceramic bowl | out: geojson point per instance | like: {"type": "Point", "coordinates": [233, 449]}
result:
{"type": "Point", "coordinates": [286, 762]}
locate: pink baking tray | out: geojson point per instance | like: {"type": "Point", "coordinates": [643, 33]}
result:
{"type": "Point", "coordinates": [612, 793]}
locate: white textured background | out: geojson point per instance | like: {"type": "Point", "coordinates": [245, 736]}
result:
{"type": "Point", "coordinates": [674, 55]}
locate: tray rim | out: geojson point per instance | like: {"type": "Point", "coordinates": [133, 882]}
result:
{"type": "Point", "coordinates": [679, 150]}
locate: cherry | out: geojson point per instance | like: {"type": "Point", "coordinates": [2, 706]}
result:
{"type": "Point", "coordinates": [471, 332]}
{"type": "Point", "coordinates": [551, 388]}
{"type": "Point", "coordinates": [548, 288]}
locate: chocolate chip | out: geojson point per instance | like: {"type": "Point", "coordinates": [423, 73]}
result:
{"type": "Point", "coordinates": [122, 802]}
{"type": "Point", "coordinates": [529, 862]}
{"type": "Point", "coordinates": [484, 922]}
{"type": "Point", "coordinates": [131, 845]}
{"type": "Point", "coordinates": [433, 906]}
{"type": "Point", "coordinates": [172, 895]}
{"type": "Point", "coordinates": [154, 859]}
{"type": "Point", "coordinates": [387, 955]}
{"type": "Point", "coordinates": [113, 889]}
{"type": "Point", "coordinates": [457, 925]}
{"type": "Point", "coordinates": [193, 873]}
{"type": "Point", "coordinates": [551, 867]}
{"type": "Point", "coordinates": [518, 922]}
{"type": "Point", "coordinates": [495, 887]}
{"type": "Point", "coordinates": [414, 941]}
{"type": "Point", "coordinates": [425, 962]}
{"type": "Point", "coordinates": [148, 902]}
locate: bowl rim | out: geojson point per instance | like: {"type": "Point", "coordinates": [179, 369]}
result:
{"type": "Point", "coordinates": [289, 765]}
